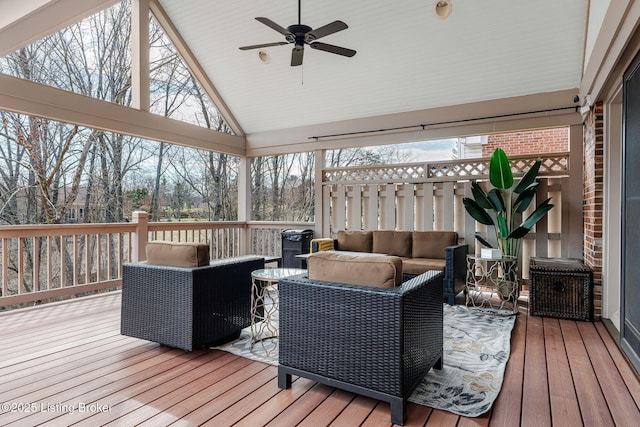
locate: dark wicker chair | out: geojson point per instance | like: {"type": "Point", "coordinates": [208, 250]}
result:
{"type": "Point", "coordinates": [371, 341]}
{"type": "Point", "coordinates": [455, 277]}
{"type": "Point", "coordinates": [188, 308]}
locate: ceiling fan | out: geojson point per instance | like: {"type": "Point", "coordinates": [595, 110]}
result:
{"type": "Point", "coordinates": [300, 34]}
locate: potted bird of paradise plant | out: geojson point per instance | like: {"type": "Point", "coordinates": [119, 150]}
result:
{"type": "Point", "coordinates": [503, 207]}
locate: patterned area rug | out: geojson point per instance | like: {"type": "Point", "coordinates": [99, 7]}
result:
{"type": "Point", "coordinates": [476, 350]}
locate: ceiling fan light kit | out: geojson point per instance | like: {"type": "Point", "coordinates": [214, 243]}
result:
{"type": "Point", "coordinates": [264, 56]}
{"type": "Point", "coordinates": [299, 35]}
{"type": "Point", "coordinates": [442, 8]}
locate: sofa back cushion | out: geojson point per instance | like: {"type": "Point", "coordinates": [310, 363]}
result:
{"type": "Point", "coordinates": [390, 242]}
{"type": "Point", "coordinates": [431, 244]}
{"type": "Point", "coordinates": [355, 241]}
{"type": "Point", "coordinates": [368, 270]}
{"type": "Point", "coordinates": [177, 254]}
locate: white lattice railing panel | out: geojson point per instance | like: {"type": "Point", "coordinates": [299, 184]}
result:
{"type": "Point", "coordinates": [428, 196]}
{"type": "Point", "coordinates": [380, 173]}
{"type": "Point", "coordinates": [555, 164]}
{"type": "Point", "coordinates": [458, 169]}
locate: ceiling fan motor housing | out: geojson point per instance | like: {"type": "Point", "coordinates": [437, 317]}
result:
{"type": "Point", "coordinates": [299, 34]}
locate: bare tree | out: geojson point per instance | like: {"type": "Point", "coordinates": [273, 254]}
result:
{"type": "Point", "coordinates": [282, 187]}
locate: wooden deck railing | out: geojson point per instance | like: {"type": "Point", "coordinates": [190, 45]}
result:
{"type": "Point", "coordinates": [38, 262]}
{"type": "Point", "coordinates": [45, 261]}
{"type": "Point", "coordinates": [428, 196]}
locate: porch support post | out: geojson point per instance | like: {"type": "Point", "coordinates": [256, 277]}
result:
{"type": "Point", "coordinates": [140, 54]}
{"type": "Point", "coordinates": [244, 203]}
{"type": "Point", "coordinates": [320, 230]}
{"type": "Point", "coordinates": [140, 237]}
{"type": "Point", "coordinates": [572, 209]}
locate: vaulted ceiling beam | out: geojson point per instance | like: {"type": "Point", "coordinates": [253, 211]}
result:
{"type": "Point", "coordinates": [476, 118]}
{"type": "Point", "coordinates": [140, 54]}
{"type": "Point", "coordinates": [26, 97]}
{"type": "Point", "coordinates": [25, 21]}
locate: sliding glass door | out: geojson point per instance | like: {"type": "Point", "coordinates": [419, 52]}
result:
{"type": "Point", "coordinates": [630, 262]}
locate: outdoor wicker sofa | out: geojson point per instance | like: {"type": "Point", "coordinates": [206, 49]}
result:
{"type": "Point", "coordinates": [378, 342]}
{"type": "Point", "coordinates": [420, 251]}
{"type": "Point", "coordinates": [188, 307]}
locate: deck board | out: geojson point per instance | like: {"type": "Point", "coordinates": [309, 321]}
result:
{"type": "Point", "coordinates": [536, 410]}
{"type": "Point", "coordinates": [560, 372]}
{"type": "Point", "coordinates": [155, 402]}
{"type": "Point", "coordinates": [562, 394]}
{"type": "Point", "coordinates": [631, 377]}
{"type": "Point", "coordinates": [620, 403]}
{"type": "Point", "coordinates": [593, 405]}
{"type": "Point", "coordinates": [507, 409]}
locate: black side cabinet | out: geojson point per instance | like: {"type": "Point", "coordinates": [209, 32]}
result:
{"type": "Point", "coordinates": [561, 288]}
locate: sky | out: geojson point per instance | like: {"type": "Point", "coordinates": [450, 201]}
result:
{"type": "Point", "coordinates": [431, 150]}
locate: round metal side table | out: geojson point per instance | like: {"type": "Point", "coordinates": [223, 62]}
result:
{"type": "Point", "coordinates": [492, 283]}
{"type": "Point", "coordinates": [264, 308]}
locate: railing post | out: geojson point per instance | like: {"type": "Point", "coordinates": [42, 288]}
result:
{"type": "Point", "coordinates": [140, 237]}
{"type": "Point", "coordinates": [319, 229]}
{"type": "Point", "coordinates": [244, 204]}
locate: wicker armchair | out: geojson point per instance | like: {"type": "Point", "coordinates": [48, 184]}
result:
{"type": "Point", "coordinates": [188, 308]}
{"type": "Point", "coordinates": [371, 341]}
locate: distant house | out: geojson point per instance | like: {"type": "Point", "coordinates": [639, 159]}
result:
{"type": "Point", "coordinates": [76, 209]}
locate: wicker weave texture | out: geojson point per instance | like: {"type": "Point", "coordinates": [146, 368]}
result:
{"type": "Point", "coordinates": [383, 340]}
{"type": "Point", "coordinates": [455, 271]}
{"type": "Point", "coordinates": [561, 288]}
{"type": "Point", "coordinates": [187, 308]}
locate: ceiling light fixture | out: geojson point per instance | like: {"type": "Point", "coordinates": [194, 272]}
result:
{"type": "Point", "coordinates": [264, 56]}
{"type": "Point", "coordinates": [442, 8]}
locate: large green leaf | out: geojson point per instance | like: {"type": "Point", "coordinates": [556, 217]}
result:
{"type": "Point", "coordinates": [484, 241]}
{"type": "Point", "coordinates": [497, 202]}
{"type": "Point", "coordinates": [480, 196]}
{"type": "Point", "coordinates": [477, 212]}
{"type": "Point", "coordinates": [500, 173]}
{"type": "Point", "coordinates": [531, 220]}
{"type": "Point", "coordinates": [528, 177]}
{"type": "Point", "coordinates": [538, 214]}
{"type": "Point", "coordinates": [502, 226]}
{"type": "Point", "coordinates": [524, 198]}
{"type": "Point", "coordinates": [519, 233]}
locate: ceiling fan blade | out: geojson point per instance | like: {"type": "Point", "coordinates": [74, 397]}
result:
{"type": "Point", "coordinates": [333, 49]}
{"type": "Point", "coordinates": [325, 30]}
{"type": "Point", "coordinates": [258, 46]}
{"type": "Point", "coordinates": [269, 23]}
{"type": "Point", "coordinates": [296, 56]}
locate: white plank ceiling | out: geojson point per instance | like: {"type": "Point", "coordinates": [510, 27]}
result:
{"type": "Point", "coordinates": [407, 59]}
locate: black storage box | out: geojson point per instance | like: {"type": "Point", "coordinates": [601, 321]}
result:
{"type": "Point", "coordinates": [560, 288]}
{"type": "Point", "coordinates": [295, 242]}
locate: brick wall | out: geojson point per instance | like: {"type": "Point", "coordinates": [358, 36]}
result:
{"type": "Point", "coordinates": [593, 200]}
{"type": "Point", "coordinates": [557, 140]}
{"type": "Point", "coordinates": [530, 142]}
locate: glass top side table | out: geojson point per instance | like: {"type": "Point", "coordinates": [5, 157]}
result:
{"type": "Point", "coordinates": [264, 308]}
{"type": "Point", "coordinates": [493, 283]}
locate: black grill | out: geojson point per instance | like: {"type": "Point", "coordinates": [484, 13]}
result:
{"type": "Point", "coordinates": [295, 242]}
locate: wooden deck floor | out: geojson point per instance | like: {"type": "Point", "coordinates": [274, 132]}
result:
{"type": "Point", "coordinates": [70, 356]}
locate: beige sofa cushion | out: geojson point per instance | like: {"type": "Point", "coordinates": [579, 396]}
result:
{"type": "Point", "coordinates": [355, 241]}
{"type": "Point", "coordinates": [177, 254]}
{"type": "Point", "coordinates": [369, 270]}
{"type": "Point", "coordinates": [421, 265]}
{"type": "Point", "coordinates": [390, 242]}
{"type": "Point", "coordinates": [432, 244]}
